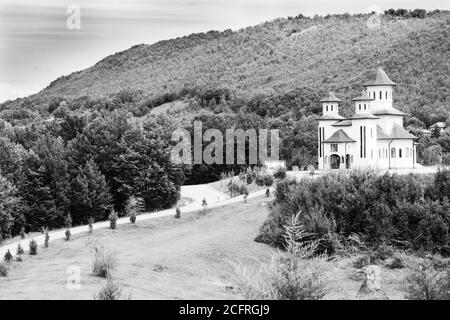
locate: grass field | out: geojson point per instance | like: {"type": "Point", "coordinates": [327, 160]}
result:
{"type": "Point", "coordinates": [167, 258]}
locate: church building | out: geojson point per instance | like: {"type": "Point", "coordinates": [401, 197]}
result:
{"type": "Point", "coordinates": [373, 137]}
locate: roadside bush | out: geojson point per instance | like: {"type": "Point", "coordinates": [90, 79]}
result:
{"type": "Point", "coordinates": [33, 248]}
{"type": "Point", "coordinates": [113, 219]}
{"type": "Point", "coordinates": [177, 213]}
{"type": "Point", "coordinates": [20, 250]}
{"type": "Point", "coordinates": [3, 270]}
{"type": "Point", "coordinates": [424, 282]}
{"type": "Point", "coordinates": [133, 217]}
{"type": "Point", "coordinates": [104, 264]}
{"type": "Point", "coordinates": [90, 224]}
{"type": "Point", "coordinates": [8, 257]}
{"type": "Point", "coordinates": [68, 234]}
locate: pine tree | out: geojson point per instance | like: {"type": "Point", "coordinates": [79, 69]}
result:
{"type": "Point", "coordinates": [8, 204]}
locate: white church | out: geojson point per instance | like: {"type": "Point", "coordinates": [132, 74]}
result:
{"type": "Point", "coordinates": [373, 137]}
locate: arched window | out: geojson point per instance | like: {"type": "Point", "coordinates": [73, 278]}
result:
{"type": "Point", "coordinates": [407, 152]}
{"type": "Point", "coordinates": [392, 152]}
{"type": "Point", "coordinates": [381, 95]}
{"type": "Point", "coordinates": [327, 107]}
{"type": "Point", "coordinates": [365, 106]}
{"type": "Point", "coordinates": [359, 106]}
{"type": "Point", "coordinates": [400, 153]}
{"type": "Point", "coordinates": [386, 95]}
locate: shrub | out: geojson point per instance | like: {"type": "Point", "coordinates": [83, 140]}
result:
{"type": "Point", "coordinates": [20, 250]}
{"type": "Point", "coordinates": [268, 180]}
{"type": "Point", "coordinates": [22, 233]}
{"type": "Point", "coordinates": [68, 234]}
{"type": "Point", "coordinates": [47, 238]}
{"type": "Point", "coordinates": [133, 217]}
{"type": "Point", "coordinates": [267, 192]}
{"type": "Point", "coordinates": [296, 274]}
{"type": "Point", "coordinates": [177, 213]}
{"type": "Point", "coordinates": [280, 174]}
{"type": "Point", "coordinates": [3, 270]}
{"type": "Point", "coordinates": [33, 247]}
{"type": "Point", "coordinates": [113, 219]}
{"type": "Point", "coordinates": [384, 252]}
{"type": "Point", "coordinates": [407, 210]}
{"type": "Point", "coordinates": [8, 257]}
{"type": "Point", "coordinates": [396, 263]}
{"type": "Point", "coordinates": [19, 258]}
{"type": "Point", "coordinates": [90, 224]}
{"type": "Point", "coordinates": [424, 282]}
{"type": "Point", "coordinates": [104, 263]}
{"type": "Point", "coordinates": [112, 290]}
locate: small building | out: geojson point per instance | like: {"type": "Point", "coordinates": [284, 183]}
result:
{"type": "Point", "coordinates": [373, 137]}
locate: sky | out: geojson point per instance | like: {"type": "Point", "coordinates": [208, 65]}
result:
{"type": "Point", "coordinates": [42, 40]}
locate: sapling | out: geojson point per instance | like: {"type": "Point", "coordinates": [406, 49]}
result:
{"type": "Point", "coordinates": [8, 256]}
{"type": "Point", "coordinates": [90, 224]}
{"type": "Point", "coordinates": [113, 219]}
{"type": "Point", "coordinates": [177, 213]}
{"type": "Point", "coordinates": [133, 217]}
{"type": "Point", "coordinates": [68, 234]}
{"type": "Point", "coordinates": [204, 205]}
{"type": "Point", "coordinates": [33, 247]}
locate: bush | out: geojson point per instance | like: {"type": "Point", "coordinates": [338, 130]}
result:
{"type": "Point", "coordinates": [133, 217]}
{"type": "Point", "coordinates": [104, 263]}
{"type": "Point", "coordinates": [22, 233]}
{"type": "Point", "coordinates": [296, 274]}
{"type": "Point", "coordinates": [20, 250]}
{"type": "Point", "coordinates": [33, 247]}
{"type": "Point", "coordinates": [280, 174]}
{"type": "Point", "coordinates": [47, 238]}
{"type": "Point", "coordinates": [396, 263]}
{"type": "Point", "coordinates": [68, 234]}
{"type": "Point", "coordinates": [90, 224]}
{"type": "Point", "coordinates": [113, 219]}
{"type": "Point", "coordinates": [3, 270]}
{"type": "Point", "coordinates": [424, 282]}
{"type": "Point", "coordinates": [408, 211]}
{"type": "Point", "coordinates": [268, 181]}
{"type": "Point", "coordinates": [177, 213]}
{"type": "Point", "coordinates": [8, 257]}
{"type": "Point", "coordinates": [112, 290]}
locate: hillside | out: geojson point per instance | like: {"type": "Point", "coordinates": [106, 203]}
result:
{"type": "Point", "coordinates": [274, 58]}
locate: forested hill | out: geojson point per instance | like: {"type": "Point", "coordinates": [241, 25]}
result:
{"type": "Point", "coordinates": [274, 58]}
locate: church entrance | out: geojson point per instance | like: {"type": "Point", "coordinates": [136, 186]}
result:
{"type": "Point", "coordinates": [335, 161]}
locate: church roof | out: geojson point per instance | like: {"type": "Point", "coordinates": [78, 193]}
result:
{"type": "Point", "coordinates": [365, 115]}
{"type": "Point", "coordinates": [331, 117]}
{"type": "Point", "coordinates": [398, 132]}
{"type": "Point", "coordinates": [389, 111]}
{"type": "Point", "coordinates": [339, 136]}
{"type": "Point", "coordinates": [343, 123]}
{"type": "Point", "coordinates": [381, 135]}
{"type": "Point", "coordinates": [379, 78]}
{"type": "Point", "coordinates": [331, 98]}
{"type": "Point", "coordinates": [363, 97]}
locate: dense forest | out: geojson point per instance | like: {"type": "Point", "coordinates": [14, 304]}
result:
{"type": "Point", "coordinates": [93, 140]}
